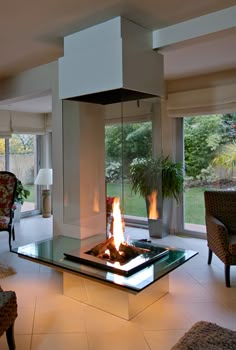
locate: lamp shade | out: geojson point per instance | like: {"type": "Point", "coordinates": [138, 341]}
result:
{"type": "Point", "coordinates": [44, 177]}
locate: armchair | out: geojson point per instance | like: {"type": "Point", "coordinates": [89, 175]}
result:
{"type": "Point", "coordinates": [8, 183]}
{"type": "Point", "coordinates": [8, 314]}
{"type": "Point", "coordinates": [220, 210]}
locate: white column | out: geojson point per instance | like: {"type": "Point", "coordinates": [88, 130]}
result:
{"type": "Point", "coordinates": [83, 168]}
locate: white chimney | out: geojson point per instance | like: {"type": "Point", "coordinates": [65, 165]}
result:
{"type": "Point", "coordinates": [110, 62]}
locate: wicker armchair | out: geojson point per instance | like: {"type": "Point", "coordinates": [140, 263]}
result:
{"type": "Point", "coordinates": [220, 209]}
{"type": "Point", "coordinates": [8, 183]}
{"type": "Point", "coordinates": [8, 314]}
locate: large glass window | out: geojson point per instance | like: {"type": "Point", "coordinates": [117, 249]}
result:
{"type": "Point", "coordinates": [2, 154]}
{"type": "Point", "coordinates": [22, 160]}
{"type": "Point", "coordinates": [19, 154]}
{"type": "Point", "coordinates": [210, 159]}
{"type": "Point", "coordinates": [123, 144]}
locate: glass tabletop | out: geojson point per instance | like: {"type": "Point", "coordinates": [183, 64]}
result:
{"type": "Point", "coordinates": [51, 252]}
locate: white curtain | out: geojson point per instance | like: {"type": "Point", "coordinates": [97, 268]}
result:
{"type": "Point", "coordinates": [5, 124]}
{"type": "Point", "coordinates": [24, 123]}
{"type": "Point", "coordinates": [212, 100]}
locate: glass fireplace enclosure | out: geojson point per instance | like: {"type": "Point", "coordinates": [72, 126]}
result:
{"type": "Point", "coordinates": [99, 144]}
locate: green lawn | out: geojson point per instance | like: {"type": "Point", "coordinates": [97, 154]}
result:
{"type": "Point", "coordinates": [135, 205]}
{"type": "Point", "coordinates": [194, 206]}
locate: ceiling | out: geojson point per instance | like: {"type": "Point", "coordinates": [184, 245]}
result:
{"type": "Point", "coordinates": [31, 33]}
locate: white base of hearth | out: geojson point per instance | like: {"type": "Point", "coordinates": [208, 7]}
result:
{"type": "Point", "coordinates": [122, 303]}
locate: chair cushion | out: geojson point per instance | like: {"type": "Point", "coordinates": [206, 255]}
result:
{"type": "Point", "coordinates": [232, 244]}
{"type": "Point", "coordinates": [7, 185]}
{"type": "Point", "coordinates": [8, 310]}
{"type": "Point", "coordinates": [4, 221]}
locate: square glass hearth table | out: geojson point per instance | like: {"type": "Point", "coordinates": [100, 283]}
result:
{"type": "Point", "coordinates": [123, 296]}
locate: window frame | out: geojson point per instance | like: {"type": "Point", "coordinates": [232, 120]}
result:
{"type": "Point", "coordinates": [37, 166]}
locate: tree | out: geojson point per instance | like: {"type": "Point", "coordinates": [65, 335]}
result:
{"type": "Point", "coordinates": [22, 144]}
{"type": "Point", "coordinates": [226, 157]}
{"type": "Point", "coordinates": [128, 141]}
{"type": "Point", "coordinates": [203, 138]}
{"type": "Point", "coordinates": [2, 146]}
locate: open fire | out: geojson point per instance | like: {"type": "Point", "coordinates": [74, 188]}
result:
{"type": "Point", "coordinates": [115, 254]}
{"type": "Point", "coordinates": [115, 249]}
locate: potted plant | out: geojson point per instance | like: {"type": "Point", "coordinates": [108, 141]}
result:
{"type": "Point", "coordinates": [21, 194]}
{"type": "Point", "coordinates": [157, 175]}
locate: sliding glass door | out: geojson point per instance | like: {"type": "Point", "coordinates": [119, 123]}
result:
{"type": "Point", "coordinates": [210, 159]}
{"type": "Point", "coordinates": [20, 154]}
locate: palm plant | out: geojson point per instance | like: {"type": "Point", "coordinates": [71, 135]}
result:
{"type": "Point", "coordinates": [21, 193]}
{"type": "Point", "coordinates": [226, 158]}
{"type": "Point", "coordinates": [145, 176]}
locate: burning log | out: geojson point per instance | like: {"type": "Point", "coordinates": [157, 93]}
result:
{"type": "Point", "coordinates": [101, 247]}
{"type": "Point", "coordinates": [115, 249]}
{"type": "Point", "coordinates": [107, 251]}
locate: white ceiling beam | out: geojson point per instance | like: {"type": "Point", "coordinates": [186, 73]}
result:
{"type": "Point", "coordinates": [207, 24]}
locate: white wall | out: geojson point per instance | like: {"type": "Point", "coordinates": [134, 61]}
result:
{"type": "Point", "coordinates": [32, 83]}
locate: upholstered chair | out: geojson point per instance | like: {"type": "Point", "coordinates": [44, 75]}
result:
{"type": "Point", "coordinates": [220, 208]}
{"type": "Point", "coordinates": [8, 314]}
{"type": "Point", "coordinates": [8, 183]}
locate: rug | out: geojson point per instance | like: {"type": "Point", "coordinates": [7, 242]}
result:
{"type": "Point", "coordinates": [6, 270]}
{"type": "Point", "coordinates": [207, 336]}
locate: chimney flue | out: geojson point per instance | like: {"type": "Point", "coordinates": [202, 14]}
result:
{"type": "Point", "coordinates": [110, 62]}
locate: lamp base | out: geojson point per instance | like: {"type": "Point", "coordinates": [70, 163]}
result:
{"type": "Point", "coordinates": [46, 203]}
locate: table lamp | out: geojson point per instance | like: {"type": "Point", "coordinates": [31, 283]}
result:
{"type": "Point", "coordinates": [44, 177]}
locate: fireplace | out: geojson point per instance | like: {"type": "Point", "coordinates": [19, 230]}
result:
{"type": "Point", "coordinates": [152, 252]}
{"type": "Point", "coordinates": [117, 255]}
{"type": "Point", "coordinates": [108, 72]}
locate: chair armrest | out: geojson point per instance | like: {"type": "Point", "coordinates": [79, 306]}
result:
{"type": "Point", "coordinates": [217, 233]}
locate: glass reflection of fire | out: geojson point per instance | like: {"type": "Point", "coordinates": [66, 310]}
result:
{"type": "Point", "coordinates": [115, 249]}
{"type": "Point", "coordinates": [153, 212]}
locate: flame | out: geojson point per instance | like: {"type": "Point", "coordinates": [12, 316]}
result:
{"type": "Point", "coordinates": [117, 223]}
{"type": "Point", "coordinates": [153, 212]}
{"type": "Point", "coordinates": [96, 202]}
{"type": "Point", "coordinates": [107, 251]}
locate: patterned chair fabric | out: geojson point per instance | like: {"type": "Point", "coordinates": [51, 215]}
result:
{"type": "Point", "coordinates": [8, 183]}
{"type": "Point", "coordinates": [220, 210]}
{"type": "Point", "coordinates": [8, 314]}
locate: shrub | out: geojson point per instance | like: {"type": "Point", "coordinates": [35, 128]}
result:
{"type": "Point", "coordinates": [113, 171]}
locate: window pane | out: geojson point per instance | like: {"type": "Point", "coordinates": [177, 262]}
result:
{"type": "Point", "coordinates": [2, 154]}
{"type": "Point", "coordinates": [22, 163]}
{"type": "Point", "coordinates": [136, 142]}
{"type": "Point", "coordinates": [210, 159]}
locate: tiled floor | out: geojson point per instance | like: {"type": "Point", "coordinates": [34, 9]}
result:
{"type": "Point", "coordinates": [48, 320]}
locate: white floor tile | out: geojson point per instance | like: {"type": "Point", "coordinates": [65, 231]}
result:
{"type": "Point", "coordinates": [48, 320]}
{"type": "Point", "coordinates": [22, 342]}
{"type": "Point", "coordinates": [59, 315]}
{"type": "Point", "coordinates": [125, 338]}
{"type": "Point", "coordinates": [163, 340]}
{"type": "Point", "coordinates": [160, 316]}
{"type": "Point", "coordinates": [213, 312]}
{"type": "Point", "coordinates": [24, 321]}
{"type": "Point", "coordinates": [62, 341]}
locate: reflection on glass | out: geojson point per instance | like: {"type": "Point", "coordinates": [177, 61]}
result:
{"type": "Point", "coordinates": [2, 154]}
{"type": "Point", "coordinates": [22, 164]}
{"type": "Point", "coordinates": [52, 252]}
{"type": "Point", "coordinates": [128, 135]}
